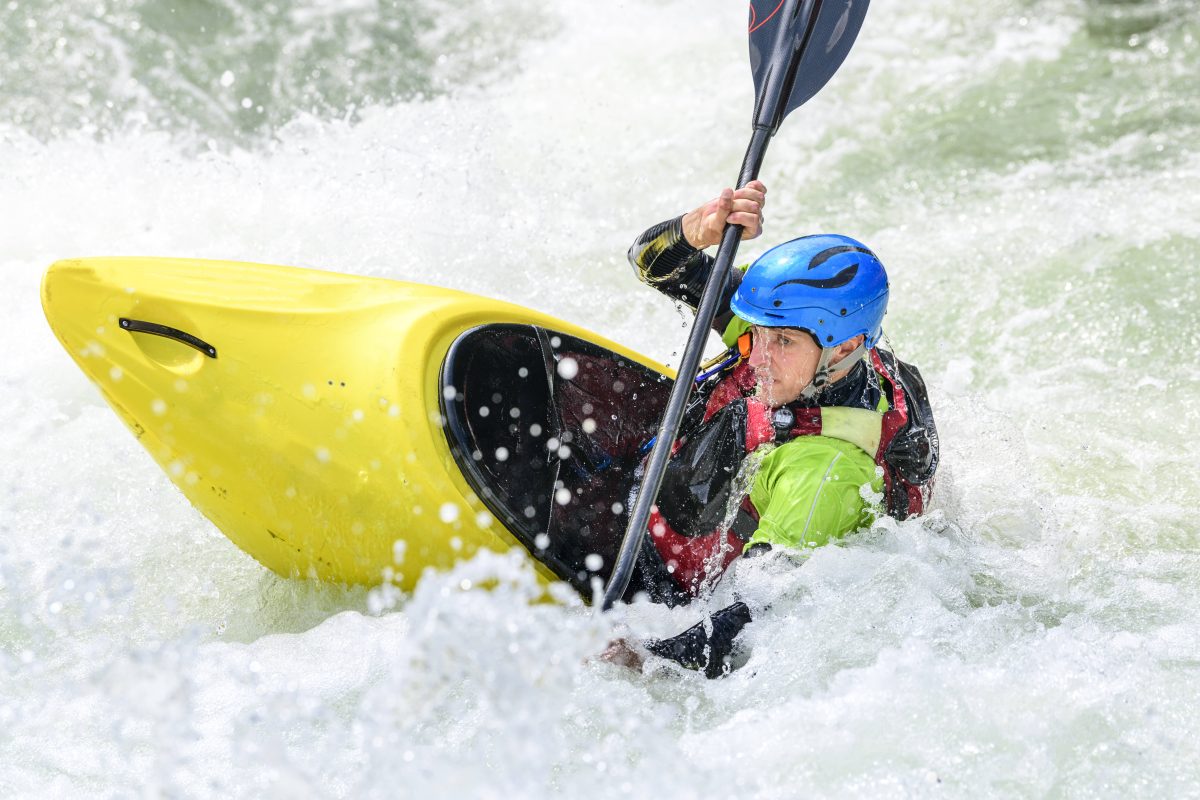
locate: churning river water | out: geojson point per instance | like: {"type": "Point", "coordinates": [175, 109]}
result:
{"type": "Point", "coordinates": [1027, 170]}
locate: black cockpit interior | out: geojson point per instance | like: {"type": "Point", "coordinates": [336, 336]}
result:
{"type": "Point", "coordinates": [548, 429]}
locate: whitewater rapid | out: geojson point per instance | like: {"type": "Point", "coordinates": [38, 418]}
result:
{"type": "Point", "coordinates": [1027, 172]}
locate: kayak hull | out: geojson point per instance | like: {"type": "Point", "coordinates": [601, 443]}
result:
{"type": "Point", "coordinates": [299, 410]}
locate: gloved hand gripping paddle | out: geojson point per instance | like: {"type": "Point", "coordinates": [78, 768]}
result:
{"type": "Point", "coordinates": [795, 48]}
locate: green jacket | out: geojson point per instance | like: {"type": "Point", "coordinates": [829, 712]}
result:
{"type": "Point", "coordinates": [810, 490]}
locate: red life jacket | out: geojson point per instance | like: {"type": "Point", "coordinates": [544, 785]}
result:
{"type": "Point", "coordinates": [695, 560]}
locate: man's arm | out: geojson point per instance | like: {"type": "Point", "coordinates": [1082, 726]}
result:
{"type": "Point", "coordinates": [669, 256]}
{"type": "Point", "coordinates": [706, 647]}
{"type": "Point", "coordinates": [663, 258]}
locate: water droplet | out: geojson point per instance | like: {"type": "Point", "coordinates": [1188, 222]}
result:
{"type": "Point", "coordinates": [448, 512]}
{"type": "Point", "coordinates": [594, 561]}
{"type": "Point", "coordinates": [568, 368]}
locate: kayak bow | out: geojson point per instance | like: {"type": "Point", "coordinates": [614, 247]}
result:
{"type": "Point", "coordinates": [305, 412]}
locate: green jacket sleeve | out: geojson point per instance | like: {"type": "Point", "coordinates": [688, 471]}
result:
{"type": "Point", "coordinates": [809, 491]}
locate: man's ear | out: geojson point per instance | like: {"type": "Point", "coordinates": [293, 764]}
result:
{"type": "Point", "coordinates": [847, 347]}
{"type": "Point", "coordinates": [844, 349]}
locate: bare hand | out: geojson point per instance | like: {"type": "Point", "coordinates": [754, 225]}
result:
{"type": "Point", "coordinates": [704, 226]}
{"type": "Point", "coordinates": [621, 653]}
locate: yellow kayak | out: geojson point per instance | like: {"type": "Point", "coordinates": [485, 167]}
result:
{"type": "Point", "coordinates": [335, 426]}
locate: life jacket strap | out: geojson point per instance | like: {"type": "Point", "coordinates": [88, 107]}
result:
{"type": "Point", "coordinates": [896, 417]}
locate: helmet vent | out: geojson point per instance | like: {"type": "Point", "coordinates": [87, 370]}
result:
{"type": "Point", "coordinates": [823, 256]}
{"type": "Point", "coordinates": [778, 303]}
{"type": "Point", "coordinates": [836, 282]}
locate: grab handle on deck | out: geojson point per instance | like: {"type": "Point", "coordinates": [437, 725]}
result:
{"type": "Point", "coordinates": [141, 326]}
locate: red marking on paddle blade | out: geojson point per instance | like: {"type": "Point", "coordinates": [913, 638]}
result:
{"type": "Point", "coordinates": [754, 15]}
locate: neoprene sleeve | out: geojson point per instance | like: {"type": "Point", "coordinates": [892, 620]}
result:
{"type": "Point", "coordinates": [661, 257]}
{"type": "Point", "coordinates": [696, 648]}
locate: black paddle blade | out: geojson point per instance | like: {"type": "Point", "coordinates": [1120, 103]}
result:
{"type": "Point", "coordinates": [795, 48]}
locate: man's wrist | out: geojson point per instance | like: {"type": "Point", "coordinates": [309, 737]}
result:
{"type": "Point", "coordinates": [690, 225]}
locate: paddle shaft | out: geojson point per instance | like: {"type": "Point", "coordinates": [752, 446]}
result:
{"type": "Point", "coordinates": [656, 464]}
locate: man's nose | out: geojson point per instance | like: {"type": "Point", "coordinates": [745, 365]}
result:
{"type": "Point", "coordinates": [758, 356]}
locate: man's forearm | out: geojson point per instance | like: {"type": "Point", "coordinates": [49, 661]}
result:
{"type": "Point", "coordinates": [662, 257]}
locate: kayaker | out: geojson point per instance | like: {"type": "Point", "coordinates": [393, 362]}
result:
{"type": "Point", "coordinates": [845, 421]}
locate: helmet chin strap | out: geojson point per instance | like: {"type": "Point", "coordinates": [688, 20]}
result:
{"type": "Point", "coordinates": [825, 370]}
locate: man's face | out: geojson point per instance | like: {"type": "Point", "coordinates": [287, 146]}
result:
{"type": "Point", "coordinates": [784, 360]}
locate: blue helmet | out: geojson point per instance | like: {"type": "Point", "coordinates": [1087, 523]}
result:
{"type": "Point", "coordinates": [829, 285]}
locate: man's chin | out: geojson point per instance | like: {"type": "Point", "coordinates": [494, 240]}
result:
{"type": "Point", "coordinates": [773, 397]}
{"type": "Point", "coordinates": [766, 395]}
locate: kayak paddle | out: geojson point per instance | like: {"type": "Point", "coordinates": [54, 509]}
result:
{"type": "Point", "coordinates": [795, 48]}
